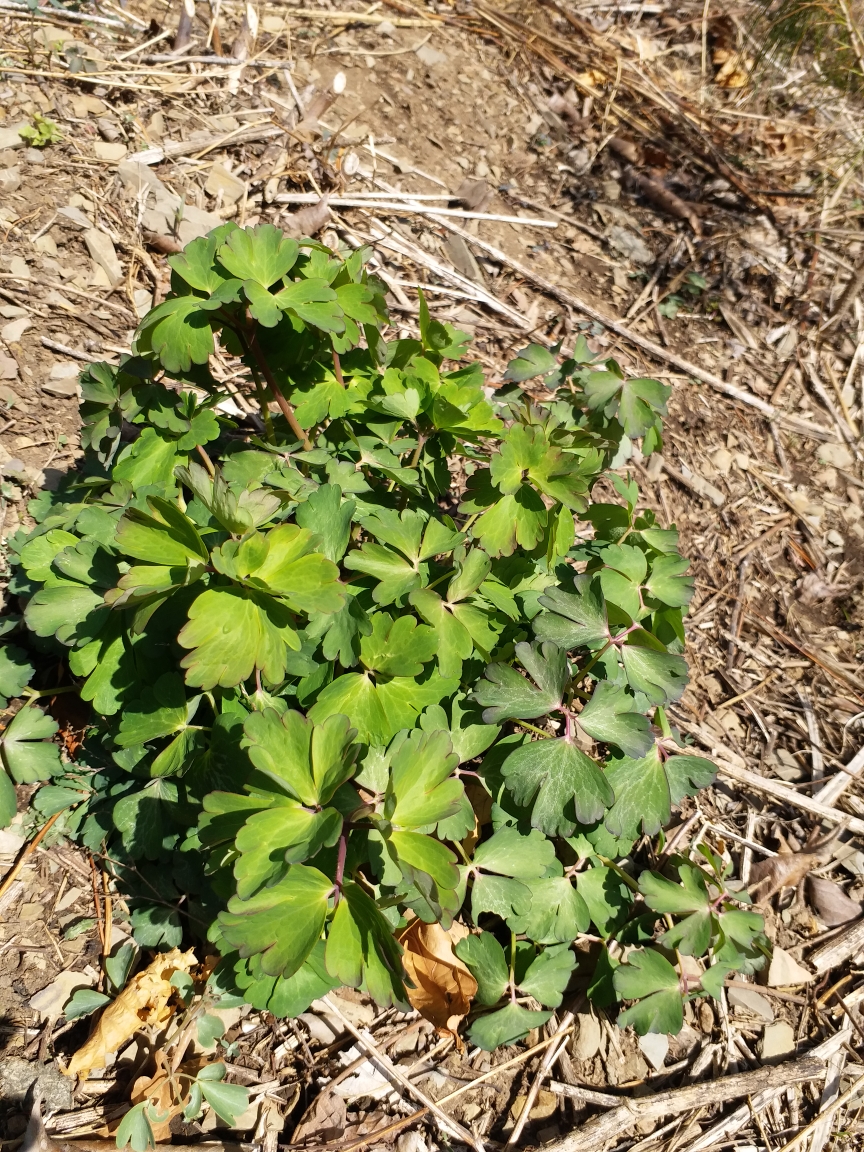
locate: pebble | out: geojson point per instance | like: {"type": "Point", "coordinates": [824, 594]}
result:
{"type": "Point", "coordinates": [15, 329]}
{"type": "Point", "coordinates": [10, 179]}
{"type": "Point", "coordinates": [778, 1039]}
{"type": "Point", "coordinates": [101, 248]}
{"type": "Point", "coordinates": [655, 1048]}
{"type": "Point", "coordinates": [589, 1035]}
{"type": "Point", "coordinates": [751, 1001]}
{"type": "Point", "coordinates": [785, 971]}
{"type": "Point", "coordinates": [109, 150]}
{"type": "Point", "coordinates": [837, 455]}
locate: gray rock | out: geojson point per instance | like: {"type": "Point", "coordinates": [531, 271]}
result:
{"type": "Point", "coordinates": [63, 389]}
{"type": "Point", "coordinates": [630, 245]}
{"type": "Point", "coordinates": [753, 1002]}
{"type": "Point", "coordinates": [162, 207]}
{"type": "Point", "coordinates": [17, 1075]}
{"type": "Point", "coordinates": [101, 248]}
{"type": "Point", "coordinates": [74, 216]}
{"type": "Point", "coordinates": [10, 179]}
{"type": "Point", "coordinates": [34, 156]}
{"type": "Point", "coordinates": [9, 137]}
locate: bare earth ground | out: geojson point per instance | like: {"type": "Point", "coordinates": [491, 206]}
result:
{"type": "Point", "coordinates": [739, 284]}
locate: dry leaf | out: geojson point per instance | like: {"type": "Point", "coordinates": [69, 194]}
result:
{"type": "Point", "coordinates": [813, 589]}
{"type": "Point", "coordinates": [476, 195]}
{"type": "Point", "coordinates": [830, 902]}
{"type": "Point", "coordinates": [144, 1000]}
{"type": "Point", "coordinates": [307, 221]}
{"type": "Point", "coordinates": [324, 1122]}
{"type": "Point", "coordinates": [443, 986]}
{"type": "Point", "coordinates": [157, 1089]}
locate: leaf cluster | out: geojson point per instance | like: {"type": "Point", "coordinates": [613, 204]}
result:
{"type": "Point", "coordinates": [334, 687]}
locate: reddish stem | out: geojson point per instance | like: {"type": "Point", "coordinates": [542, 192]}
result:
{"type": "Point", "coordinates": [340, 865]}
{"type": "Point", "coordinates": [287, 410]}
{"type": "Point", "coordinates": [337, 369]}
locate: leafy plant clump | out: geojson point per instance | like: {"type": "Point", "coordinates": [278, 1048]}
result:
{"type": "Point", "coordinates": [402, 649]}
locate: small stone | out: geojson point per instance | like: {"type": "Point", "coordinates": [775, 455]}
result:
{"type": "Point", "coordinates": [837, 455]}
{"type": "Point", "coordinates": [143, 301]}
{"type": "Point", "coordinates": [109, 150]}
{"type": "Point", "coordinates": [386, 28]}
{"type": "Point", "coordinates": [10, 179]}
{"type": "Point", "coordinates": [74, 215]}
{"type": "Point", "coordinates": [630, 245]}
{"type": "Point", "coordinates": [45, 244]}
{"type": "Point", "coordinates": [777, 1040]}
{"type": "Point", "coordinates": [544, 1107]}
{"type": "Point", "coordinates": [19, 267]}
{"type": "Point", "coordinates": [221, 180]}
{"type": "Point", "coordinates": [319, 1029]}
{"type": "Point", "coordinates": [655, 1047]}
{"type": "Point", "coordinates": [752, 1002]}
{"type": "Point", "coordinates": [15, 329]}
{"type": "Point", "coordinates": [11, 138]}
{"type": "Point", "coordinates": [589, 1035]}
{"type": "Point", "coordinates": [8, 368]}
{"type": "Point", "coordinates": [62, 389]}
{"type": "Point", "coordinates": [34, 156]}
{"type": "Point", "coordinates": [834, 538]}
{"type": "Point", "coordinates": [785, 971]}
{"type": "Point", "coordinates": [101, 248]}
{"type": "Point", "coordinates": [430, 56]}
{"type": "Point", "coordinates": [611, 189]}
{"type": "Point", "coordinates": [50, 1002]}
{"type": "Point", "coordinates": [17, 1075]}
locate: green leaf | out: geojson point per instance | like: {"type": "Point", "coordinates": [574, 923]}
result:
{"type": "Point", "coordinates": [210, 1029]}
{"type": "Point", "coordinates": [361, 950]}
{"type": "Point", "coordinates": [548, 976]}
{"type": "Point", "coordinates": [228, 1101]}
{"type": "Point", "coordinates": [573, 619]}
{"type": "Point", "coordinates": [607, 898]}
{"type": "Point", "coordinates": [397, 647]}
{"type": "Point", "coordinates": [418, 853]}
{"type": "Point", "coordinates": [326, 514]}
{"type": "Point", "coordinates": [119, 963]}
{"type": "Point", "coordinates": [27, 750]}
{"type": "Point", "coordinates": [262, 254]}
{"type": "Point", "coordinates": [455, 644]}
{"type": "Point", "coordinates": [643, 793]}
{"type": "Point", "coordinates": [258, 925]}
{"type": "Point", "coordinates": [505, 1026]}
{"type": "Point", "coordinates": [151, 459]}
{"type": "Point", "coordinates": [83, 1002]}
{"type": "Point", "coordinates": [509, 853]}
{"type": "Point", "coordinates": [692, 935]}
{"type": "Point", "coordinates": [178, 331]}
{"type": "Point", "coordinates": [16, 671]}
{"type": "Point", "coordinates": [569, 786]}
{"type": "Point", "coordinates": [648, 974]}
{"type": "Point", "coordinates": [314, 301]}
{"type": "Point", "coordinates": [135, 1130]}
{"type": "Point", "coordinates": [657, 674]}
{"type": "Point", "coordinates": [161, 711]}
{"type": "Point", "coordinates": [37, 554]}
{"type": "Point", "coordinates": [535, 360]}
{"type": "Point", "coordinates": [517, 519]}
{"type": "Point", "coordinates": [505, 695]}
{"type": "Point", "coordinates": [422, 790]}
{"type": "Point", "coordinates": [484, 957]}
{"type": "Point", "coordinates": [232, 633]}
{"type": "Point", "coordinates": [65, 611]}
{"type": "Point", "coordinates": [142, 818]}
{"type": "Point", "coordinates": [611, 716]}
{"type": "Point", "coordinates": [310, 761]}
{"type": "Point", "coordinates": [395, 575]}
{"type": "Point", "coordinates": [285, 833]}
{"type": "Point", "coordinates": [196, 263]}
{"type": "Point", "coordinates": [667, 582]}
{"type": "Point", "coordinates": [500, 896]}
{"type": "Point", "coordinates": [558, 913]}
{"type": "Point", "coordinates": [636, 403]}
{"type": "Point", "coordinates": [289, 997]}
{"type": "Point", "coordinates": [167, 537]}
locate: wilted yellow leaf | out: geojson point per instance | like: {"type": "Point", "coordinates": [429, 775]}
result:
{"type": "Point", "coordinates": [443, 986]}
{"type": "Point", "coordinates": [144, 1000]}
{"type": "Point", "coordinates": [734, 71]}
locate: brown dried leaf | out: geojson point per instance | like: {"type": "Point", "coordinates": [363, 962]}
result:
{"type": "Point", "coordinates": [813, 589]}
{"type": "Point", "coordinates": [144, 1000]}
{"type": "Point", "coordinates": [830, 902]}
{"type": "Point", "coordinates": [324, 1122]}
{"type": "Point", "coordinates": [475, 195]}
{"type": "Point", "coordinates": [307, 221]}
{"type": "Point", "coordinates": [443, 986]}
{"type": "Point", "coordinates": [787, 870]}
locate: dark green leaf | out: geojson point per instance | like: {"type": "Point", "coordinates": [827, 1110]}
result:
{"type": "Point", "coordinates": [569, 786]}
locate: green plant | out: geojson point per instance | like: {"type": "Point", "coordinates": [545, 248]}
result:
{"type": "Point", "coordinates": [40, 132]}
{"type": "Point", "coordinates": [348, 667]}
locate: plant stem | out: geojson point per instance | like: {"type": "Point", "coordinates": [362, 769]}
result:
{"type": "Point", "coordinates": [287, 410]}
{"type": "Point", "coordinates": [337, 369]}
{"type": "Point", "coordinates": [415, 459]}
{"type": "Point", "coordinates": [208, 463]}
{"type": "Point", "coordinates": [534, 728]}
{"type": "Point", "coordinates": [340, 865]}
{"type": "Point", "coordinates": [262, 402]}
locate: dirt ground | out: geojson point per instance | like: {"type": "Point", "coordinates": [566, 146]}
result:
{"type": "Point", "coordinates": [461, 102]}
